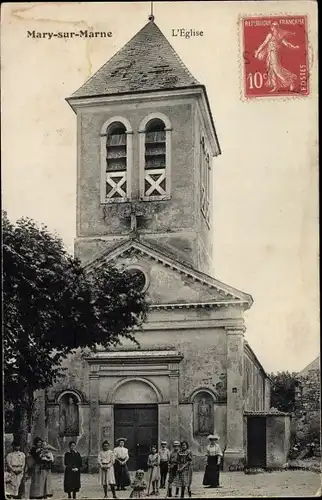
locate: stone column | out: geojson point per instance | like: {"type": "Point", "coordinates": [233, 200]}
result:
{"type": "Point", "coordinates": [93, 418]}
{"type": "Point", "coordinates": [235, 370]}
{"type": "Point", "coordinates": [174, 402]}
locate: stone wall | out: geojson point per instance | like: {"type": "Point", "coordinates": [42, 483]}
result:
{"type": "Point", "coordinates": [255, 393]}
{"type": "Point", "coordinates": [278, 432]}
{"type": "Point", "coordinates": [307, 403]}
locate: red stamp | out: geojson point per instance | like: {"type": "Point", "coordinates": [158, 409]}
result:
{"type": "Point", "coordinates": [275, 56]}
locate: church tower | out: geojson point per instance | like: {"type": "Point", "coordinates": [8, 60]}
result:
{"type": "Point", "coordinates": [146, 142]}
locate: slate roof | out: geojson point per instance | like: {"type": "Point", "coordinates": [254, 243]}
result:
{"type": "Point", "coordinates": [147, 62]}
{"type": "Point", "coordinates": [314, 365]}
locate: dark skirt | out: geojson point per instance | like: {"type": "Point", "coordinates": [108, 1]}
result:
{"type": "Point", "coordinates": [211, 476]}
{"type": "Point", "coordinates": [122, 476]}
{"type": "Point", "coordinates": [71, 480]}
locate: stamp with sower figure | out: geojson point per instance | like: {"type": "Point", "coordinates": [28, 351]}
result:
{"type": "Point", "coordinates": [275, 56]}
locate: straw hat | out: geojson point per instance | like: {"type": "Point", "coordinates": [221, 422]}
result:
{"type": "Point", "coordinates": [213, 436]}
{"type": "Point", "coordinates": [176, 443]}
{"type": "Point", "coordinates": [164, 442]}
{"type": "Point", "coordinates": [121, 439]}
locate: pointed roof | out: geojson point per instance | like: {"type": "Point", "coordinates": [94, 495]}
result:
{"type": "Point", "coordinates": [146, 62]}
{"type": "Point", "coordinates": [314, 365]}
{"type": "Point", "coordinates": [227, 293]}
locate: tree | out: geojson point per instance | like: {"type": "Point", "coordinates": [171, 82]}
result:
{"type": "Point", "coordinates": [283, 391]}
{"type": "Point", "coordinates": [52, 307]}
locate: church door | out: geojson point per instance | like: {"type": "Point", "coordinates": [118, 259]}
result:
{"type": "Point", "coordinates": [256, 442]}
{"type": "Point", "coordinates": [139, 425]}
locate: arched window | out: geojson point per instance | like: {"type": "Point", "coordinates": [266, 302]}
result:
{"type": "Point", "coordinates": [155, 157]}
{"type": "Point", "coordinates": [139, 276]}
{"type": "Point", "coordinates": [116, 150]}
{"type": "Point", "coordinates": [205, 181]}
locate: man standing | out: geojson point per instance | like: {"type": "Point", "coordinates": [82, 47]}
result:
{"type": "Point", "coordinates": [164, 454]}
{"type": "Point", "coordinates": [173, 466]}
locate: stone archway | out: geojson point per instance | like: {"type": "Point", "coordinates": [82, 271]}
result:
{"type": "Point", "coordinates": [136, 417]}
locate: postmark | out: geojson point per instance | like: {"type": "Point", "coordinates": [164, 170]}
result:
{"type": "Point", "coordinates": [275, 56]}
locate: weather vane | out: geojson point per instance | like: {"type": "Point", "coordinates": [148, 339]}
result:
{"type": "Point", "coordinates": [151, 16]}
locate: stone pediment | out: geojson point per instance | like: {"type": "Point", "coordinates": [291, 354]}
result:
{"type": "Point", "coordinates": [171, 283]}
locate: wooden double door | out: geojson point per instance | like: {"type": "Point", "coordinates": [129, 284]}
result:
{"type": "Point", "coordinates": [138, 424]}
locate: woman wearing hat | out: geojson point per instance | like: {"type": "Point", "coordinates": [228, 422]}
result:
{"type": "Point", "coordinates": [213, 459]}
{"type": "Point", "coordinates": [121, 454]}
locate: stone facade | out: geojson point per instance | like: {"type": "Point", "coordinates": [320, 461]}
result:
{"type": "Point", "coordinates": [193, 359]}
{"type": "Point", "coordinates": [308, 403]}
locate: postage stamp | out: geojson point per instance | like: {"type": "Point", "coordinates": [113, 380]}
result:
{"type": "Point", "coordinates": [275, 56]}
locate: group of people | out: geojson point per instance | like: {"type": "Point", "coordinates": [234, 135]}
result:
{"type": "Point", "coordinates": [174, 465]}
{"type": "Point", "coordinates": [36, 466]}
{"type": "Point", "coordinates": [171, 469]}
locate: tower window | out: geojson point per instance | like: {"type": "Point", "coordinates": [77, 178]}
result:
{"type": "Point", "coordinates": [155, 159]}
{"type": "Point", "coordinates": [116, 161]}
{"type": "Point", "coordinates": [116, 156]}
{"type": "Point", "coordinates": [205, 181]}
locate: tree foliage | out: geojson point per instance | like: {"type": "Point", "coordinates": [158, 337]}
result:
{"type": "Point", "coordinates": [53, 306]}
{"type": "Point", "coordinates": [283, 391]}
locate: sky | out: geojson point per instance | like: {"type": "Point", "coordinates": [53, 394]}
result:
{"type": "Point", "coordinates": [265, 230]}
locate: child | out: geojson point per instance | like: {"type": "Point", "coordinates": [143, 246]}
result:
{"type": "Point", "coordinates": [183, 477]}
{"type": "Point", "coordinates": [173, 467]}
{"type": "Point", "coordinates": [138, 485]}
{"type": "Point", "coordinates": [106, 461]}
{"type": "Point", "coordinates": [154, 471]}
{"type": "Point", "coordinates": [164, 454]}
{"type": "Point", "coordinates": [45, 452]}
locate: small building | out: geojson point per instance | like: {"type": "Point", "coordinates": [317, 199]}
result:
{"type": "Point", "coordinates": [145, 148]}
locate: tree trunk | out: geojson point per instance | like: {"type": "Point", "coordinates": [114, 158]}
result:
{"type": "Point", "coordinates": [21, 428]}
{"type": "Point", "coordinates": [21, 423]}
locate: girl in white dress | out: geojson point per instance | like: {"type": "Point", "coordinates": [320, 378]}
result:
{"type": "Point", "coordinates": [154, 471]}
{"type": "Point", "coordinates": [15, 465]}
{"type": "Point", "coordinates": [106, 460]}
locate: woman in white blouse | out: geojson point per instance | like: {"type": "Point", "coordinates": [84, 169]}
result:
{"type": "Point", "coordinates": [122, 475]}
{"type": "Point", "coordinates": [213, 460]}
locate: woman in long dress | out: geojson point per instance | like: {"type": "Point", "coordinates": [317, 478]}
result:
{"type": "Point", "coordinates": [16, 461]}
{"type": "Point", "coordinates": [42, 460]}
{"type": "Point", "coordinates": [213, 459]}
{"type": "Point", "coordinates": [277, 76]}
{"type": "Point", "coordinates": [154, 471]}
{"type": "Point", "coordinates": [122, 475]}
{"type": "Point", "coordinates": [73, 464]}
{"type": "Point", "coordinates": [106, 460]}
{"type": "Point", "coordinates": [183, 477]}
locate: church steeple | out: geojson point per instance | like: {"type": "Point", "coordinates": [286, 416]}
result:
{"type": "Point", "coordinates": [145, 149]}
{"type": "Point", "coordinates": [146, 62]}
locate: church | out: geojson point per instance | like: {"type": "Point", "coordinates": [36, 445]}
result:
{"type": "Point", "coordinates": [146, 154]}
